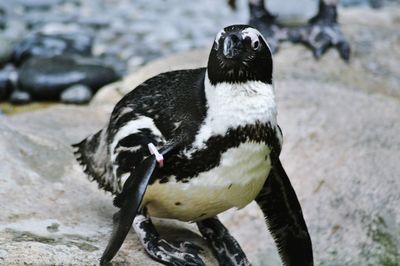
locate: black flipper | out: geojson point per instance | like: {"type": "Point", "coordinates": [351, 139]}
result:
{"type": "Point", "coordinates": [135, 188]}
{"type": "Point", "coordinates": [129, 201]}
{"type": "Point", "coordinates": [284, 217]}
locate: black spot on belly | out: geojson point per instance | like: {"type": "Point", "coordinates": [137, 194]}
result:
{"type": "Point", "coordinates": [165, 179]}
{"type": "Point", "coordinates": [177, 203]}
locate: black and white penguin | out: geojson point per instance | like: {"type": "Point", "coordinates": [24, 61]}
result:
{"type": "Point", "coordinates": [190, 144]}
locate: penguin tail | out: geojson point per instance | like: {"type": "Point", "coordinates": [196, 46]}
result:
{"type": "Point", "coordinates": [92, 154]}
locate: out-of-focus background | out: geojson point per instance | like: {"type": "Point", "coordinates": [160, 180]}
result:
{"type": "Point", "coordinates": [341, 124]}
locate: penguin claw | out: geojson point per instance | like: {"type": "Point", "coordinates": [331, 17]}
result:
{"type": "Point", "coordinates": [187, 246]}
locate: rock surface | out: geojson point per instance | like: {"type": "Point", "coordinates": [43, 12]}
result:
{"type": "Point", "coordinates": [341, 148]}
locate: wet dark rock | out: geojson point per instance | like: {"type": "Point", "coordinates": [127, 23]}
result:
{"type": "Point", "coordinates": [47, 78]}
{"type": "Point", "coordinates": [77, 94]}
{"type": "Point", "coordinates": [48, 46]}
{"type": "Point", "coordinates": [20, 97]}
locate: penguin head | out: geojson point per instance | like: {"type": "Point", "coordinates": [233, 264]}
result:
{"type": "Point", "coordinates": [239, 54]}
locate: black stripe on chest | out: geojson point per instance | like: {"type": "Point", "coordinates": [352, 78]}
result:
{"type": "Point", "coordinates": [184, 168]}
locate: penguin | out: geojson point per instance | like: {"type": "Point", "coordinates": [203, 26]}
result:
{"type": "Point", "coordinates": [190, 144]}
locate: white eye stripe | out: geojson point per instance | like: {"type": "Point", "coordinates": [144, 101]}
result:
{"type": "Point", "coordinates": [254, 36]}
{"type": "Point", "coordinates": [218, 36]}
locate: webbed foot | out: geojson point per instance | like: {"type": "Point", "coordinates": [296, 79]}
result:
{"type": "Point", "coordinates": [322, 32]}
{"type": "Point", "coordinates": [225, 248]}
{"type": "Point", "coordinates": [174, 253]}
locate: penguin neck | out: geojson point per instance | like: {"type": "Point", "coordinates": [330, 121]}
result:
{"type": "Point", "coordinates": [239, 94]}
{"type": "Point", "coordinates": [234, 105]}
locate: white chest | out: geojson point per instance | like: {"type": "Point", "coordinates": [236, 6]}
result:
{"type": "Point", "coordinates": [234, 183]}
{"type": "Point", "coordinates": [234, 105]}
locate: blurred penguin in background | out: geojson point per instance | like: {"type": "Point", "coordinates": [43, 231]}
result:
{"type": "Point", "coordinates": [320, 33]}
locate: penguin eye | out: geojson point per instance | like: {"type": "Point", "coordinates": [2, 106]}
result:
{"type": "Point", "coordinates": [255, 45]}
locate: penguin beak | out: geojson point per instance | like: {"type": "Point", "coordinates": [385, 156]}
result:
{"type": "Point", "coordinates": [233, 46]}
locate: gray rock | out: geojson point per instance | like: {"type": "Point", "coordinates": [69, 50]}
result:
{"type": "Point", "coordinates": [77, 94]}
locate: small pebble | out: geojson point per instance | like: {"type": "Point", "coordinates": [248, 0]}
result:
{"type": "Point", "coordinates": [20, 97]}
{"type": "Point", "coordinates": [77, 94]}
